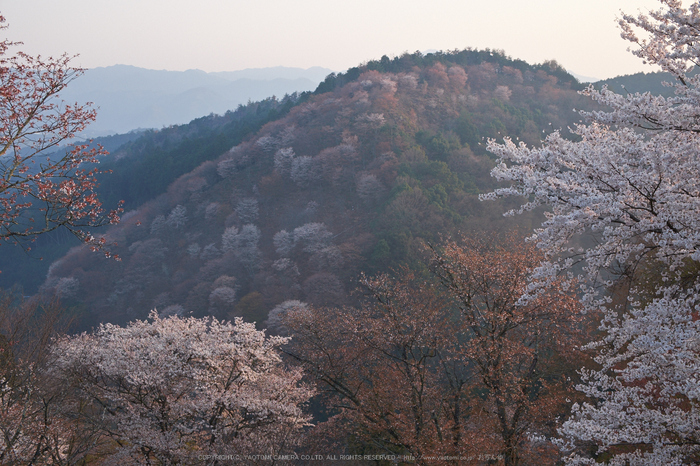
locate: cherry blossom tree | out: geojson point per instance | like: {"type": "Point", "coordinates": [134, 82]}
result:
{"type": "Point", "coordinates": [283, 242]}
{"type": "Point", "coordinates": [313, 236]}
{"type": "Point", "coordinates": [244, 245]}
{"type": "Point", "coordinates": [275, 318]}
{"type": "Point", "coordinates": [369, 188]}
{"type": "Point", "coordinates": [177, 217]}
{"type": "Point", "coordinates": [247, 210]}
{"type": "Point", "coordinates": [632, 182]}
{"type": "Point", "coordinates": [283, 160]}
{"type": "Point", "coordinates": [42, 183]}
{"type": "Point", "coordinates": [304, 171]}
{"type": "Point", "coordinates": [222, 298]}
{"type": "Point", "coordinates": [169, 390]}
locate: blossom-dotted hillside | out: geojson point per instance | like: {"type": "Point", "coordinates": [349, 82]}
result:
{"type": "Point", "coordinates": [632, 182]}
{"type": "Point", "coordinates": [350, 180]}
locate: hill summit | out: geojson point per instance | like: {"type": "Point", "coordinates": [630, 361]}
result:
{"type": "Point", "coordinates": [352, 179]}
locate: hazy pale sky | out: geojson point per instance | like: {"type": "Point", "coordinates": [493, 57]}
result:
{"type": "Point", "coordinates": [227, 35]}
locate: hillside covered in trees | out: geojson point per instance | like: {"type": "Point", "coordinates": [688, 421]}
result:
{"type": "Point", "coordinates": [140, 166]}
{"type": "Point", "coordinates": [327, 284]}
{"type": "Point", "coordinates": [352, 178]}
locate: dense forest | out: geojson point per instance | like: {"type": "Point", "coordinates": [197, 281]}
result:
{"type": "Point", "coordinates": [289, 205]}
{"type": "Point", "coordinates": [140, 166]}
{"type": "Point", "coordinates": [331, 276]}
{"type": "Point", "coordinates": [354, 178]}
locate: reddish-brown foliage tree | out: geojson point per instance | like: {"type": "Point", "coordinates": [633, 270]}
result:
{"type": "Point", "coordinates": [458, 365]}
{"type": "Point", "coordinates": [42, 186]}
{"type": "Point", "coordinates": [520, 337]}
{"type": "Point", "coordinates": [39, 419]}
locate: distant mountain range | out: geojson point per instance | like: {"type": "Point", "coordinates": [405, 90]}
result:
{"type": "Point", "coordinates": [129, 98]}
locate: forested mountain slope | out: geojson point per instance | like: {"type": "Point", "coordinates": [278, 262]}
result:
{"type": "Point", "coordinates": [641, 82]}
{"type": "Point", "coordinates": [141, 165]}
{"type": "Point", "coordinates": [349, 180]}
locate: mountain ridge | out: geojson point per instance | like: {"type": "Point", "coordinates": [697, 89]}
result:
{"type": "Point", "coordinates": [143, 162]}
{"type": "Point", "coordinates": [353, 178]}
{"type": "Point", "coordinates": [129, 97]}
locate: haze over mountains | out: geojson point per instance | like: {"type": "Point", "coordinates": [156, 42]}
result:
{"type": "Point", "coordinates": [128, 97]}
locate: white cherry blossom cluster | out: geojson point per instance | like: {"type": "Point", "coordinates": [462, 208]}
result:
{"type": "Point", "coordinates": [625, 204]}
{"type": "Point", "coordinates": [170, 389]}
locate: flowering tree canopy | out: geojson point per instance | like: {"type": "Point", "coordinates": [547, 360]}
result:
{"type": "Point", "coordinates": [632, 181]}
{"type": "Point", "coordinates": [42, 186]}
{"type": "Point", "coordinates": [168, 390]}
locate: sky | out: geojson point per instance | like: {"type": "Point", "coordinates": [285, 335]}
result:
{"type": "Point", "coordinates": [228, 35]}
